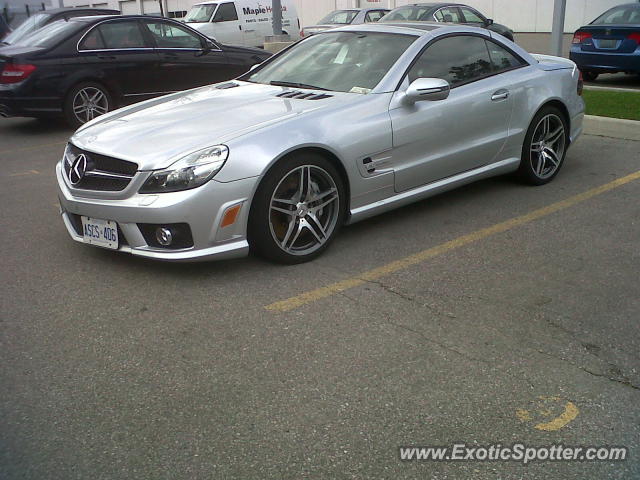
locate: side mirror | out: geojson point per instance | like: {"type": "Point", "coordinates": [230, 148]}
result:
{"type": "Point", "coordinates": [488, 21]}
{"type": "Point", "coordinates": [432, 89]}
{"type": "Point", "coordinates": [208, 47]}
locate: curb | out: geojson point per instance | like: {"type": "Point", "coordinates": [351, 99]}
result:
{"type": "Point", "coordinates": [611, 127]}
{"type": "Point", "coordinates": [611, 89]}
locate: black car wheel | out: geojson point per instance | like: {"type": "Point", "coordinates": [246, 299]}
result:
{"type": "Point", "coordinates": [589, 76]}
{"type": "Point", "coordinates": [86, 101]}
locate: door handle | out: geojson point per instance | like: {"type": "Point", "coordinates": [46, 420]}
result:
{"type": "Point", "coordinates": [500, 95]}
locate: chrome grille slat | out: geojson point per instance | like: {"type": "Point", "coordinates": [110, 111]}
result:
{"type": "Point", "coordinates": [101, 173]}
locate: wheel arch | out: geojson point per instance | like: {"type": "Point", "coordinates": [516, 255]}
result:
{"type": "Point", "coordinates": [560, 105]}
{"type": "Point", "coordinates": [113, 90]}
{"type": "Point", "coordinates": [320, 150]}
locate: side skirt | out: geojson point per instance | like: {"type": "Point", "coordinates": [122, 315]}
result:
{"type": "Point", "coordinates": [431, 189]}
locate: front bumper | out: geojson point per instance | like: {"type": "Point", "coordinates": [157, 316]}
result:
{"type": "Point", "coordinates": [201, 208]}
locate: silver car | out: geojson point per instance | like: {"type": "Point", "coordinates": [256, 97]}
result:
{"type": "Point", "coordinates": [341, 126]}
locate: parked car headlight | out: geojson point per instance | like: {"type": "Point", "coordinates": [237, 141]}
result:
{"type": "Point", "coordinates": [189, 172]}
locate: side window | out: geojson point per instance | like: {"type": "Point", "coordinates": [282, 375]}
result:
{"type": "Point", "coordinates": [93, 41]}
{"type": "Point", "coordinates": [470, 16]}
{"type": "Point", "coordinates": [502, 59]}
{"type": "Point", "coordinates": [226, 13]}
{"type": "Point", "coordinates": [374, 16]}
{"type": "Point", "coordinates": [117, 35]}
{"type": "Point", "coordinates": [167, 35]}
{"type": "Point", "coordinates": [448, 15]}
{"type": "Point", "coordinates": [459, 59]}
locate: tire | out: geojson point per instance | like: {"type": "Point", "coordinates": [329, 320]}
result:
{"type": "Point", "coordinates": [293, 221]}
{"type": "Point", "coordinates": [589, 76]}
{"type": "Point", "coordinates": [545, 147]}
{"type": "Point", "coordinates": [93, 96]}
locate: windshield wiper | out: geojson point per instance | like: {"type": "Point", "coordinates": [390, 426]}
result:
{"type": "Point", "coordinates": [278, 83]}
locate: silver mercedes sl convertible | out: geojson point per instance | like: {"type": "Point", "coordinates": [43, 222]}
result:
{"type": "Point", "coordinates": [338, 127]}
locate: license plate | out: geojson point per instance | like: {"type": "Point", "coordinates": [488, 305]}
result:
{"type": "Point", "coordinates": [103, 233]}
{"type": "Point", "coordinates": [608, 43]}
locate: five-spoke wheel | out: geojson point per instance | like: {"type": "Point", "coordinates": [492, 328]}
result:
{"type": "Point", "coordinates": [545, 146]}
{"type": "Point", "coordinates": [86, 102]}
{"type": "Point", "coordinates": [297, 209]}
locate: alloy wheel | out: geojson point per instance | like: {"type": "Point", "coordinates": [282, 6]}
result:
{"type": "Point", "coordinates": [304, 210]}
{"type": "Point", "coordinates": [89, 103]}
{"type": "Point", "coordinates": [548, 144]}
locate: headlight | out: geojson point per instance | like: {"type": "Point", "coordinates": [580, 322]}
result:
{"type": "Point", "coordinates": [189, 172]}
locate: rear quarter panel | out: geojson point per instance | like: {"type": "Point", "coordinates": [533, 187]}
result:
{"type": "Point", "coordinates": [534, 88]}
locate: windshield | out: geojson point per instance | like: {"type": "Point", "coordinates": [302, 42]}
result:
{"type": "Point", "coordinates": [200, 13]}
{"type": "Point", "coordinates": [625, 15]}
{"type": "Point", "coordinates": [339, 17]}
{"type": "Point", "coordinates": [404, 14]}
{"type": "Point", "coordinates": [338, 61]}
{"type": "Point", "coordinates": [50, 34]}
{"type": "Point", "coordinates": [25, 28]}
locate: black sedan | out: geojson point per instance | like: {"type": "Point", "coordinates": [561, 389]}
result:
{"type": "Point", "coordinates": [87, 66]}
{"type": "Point", "coordinates": [45, 17]}
{"type": "Point", "coordinates": [446, 13]}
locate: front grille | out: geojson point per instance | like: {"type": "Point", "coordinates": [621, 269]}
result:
{"type": "Point", "coordinates": [97, 172]}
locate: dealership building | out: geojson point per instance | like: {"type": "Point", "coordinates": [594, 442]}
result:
{"type": "Point", "coordinates": [520, 15]}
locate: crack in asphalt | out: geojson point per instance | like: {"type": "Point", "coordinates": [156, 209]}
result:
{"type": "Point", "coordinates": [622, 381]}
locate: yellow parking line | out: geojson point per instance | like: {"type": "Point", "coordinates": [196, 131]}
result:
{"type": "Point", "coordinates": [331, 289]}
{"type": "Point", "coordinates": [22, 174]}
{"type": "Point", "coordinates": [43, 145]}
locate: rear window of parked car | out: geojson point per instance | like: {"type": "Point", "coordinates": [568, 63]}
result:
{"type": "Point", "coordinates": [625, 15]}
{"type": "Point", "coordinates": [114, 36]}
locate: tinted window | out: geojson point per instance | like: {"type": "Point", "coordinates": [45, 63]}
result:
{"type": "Point", "coordinates": [501, 58]}
{"type": "Point", "coordinates": [374, 16]}
{"type": "Point", "coordinates": [339, 17]}
{"type": "Point", "coordinates": [116, 35]}
{"type": "Point", "coordinates": [458, 60]}
{"type": "Point", "coordinates": [448, 15]}
{"type": "Point", "coordinates": [93, 41]}
{"type": "Point", "coordinates": [49, 35]}
{"type": "Point", "coordinates": [226, 13]}
{"type": "Point", "coordinates": [471, 16]}
{"type": "Point", "coordinates": [404, 14]}
{"type": "Point", "coordinates": [172, 36]}
{"type": "Point", "coordinates": [624, 15]}
{"type": "Point", "coordinates": [27, 27]}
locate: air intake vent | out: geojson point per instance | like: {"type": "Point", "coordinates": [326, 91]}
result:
{"type": "Point", "coordinates": [303, 96]}
{"type": "Point", "coordinates": [225, 86]}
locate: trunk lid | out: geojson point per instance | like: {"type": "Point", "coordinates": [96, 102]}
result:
{"type": "Point", "coordinates": [610, 38]}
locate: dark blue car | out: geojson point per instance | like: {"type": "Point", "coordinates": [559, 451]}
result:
{"type": "Point", "coordinates": [609, 44]}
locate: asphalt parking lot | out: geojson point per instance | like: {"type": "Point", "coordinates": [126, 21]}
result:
{"type": "Point", "coordinates": [497, 313]}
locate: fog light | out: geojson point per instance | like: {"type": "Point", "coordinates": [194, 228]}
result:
{"type": "Point", "coordinates": [164, 236]}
